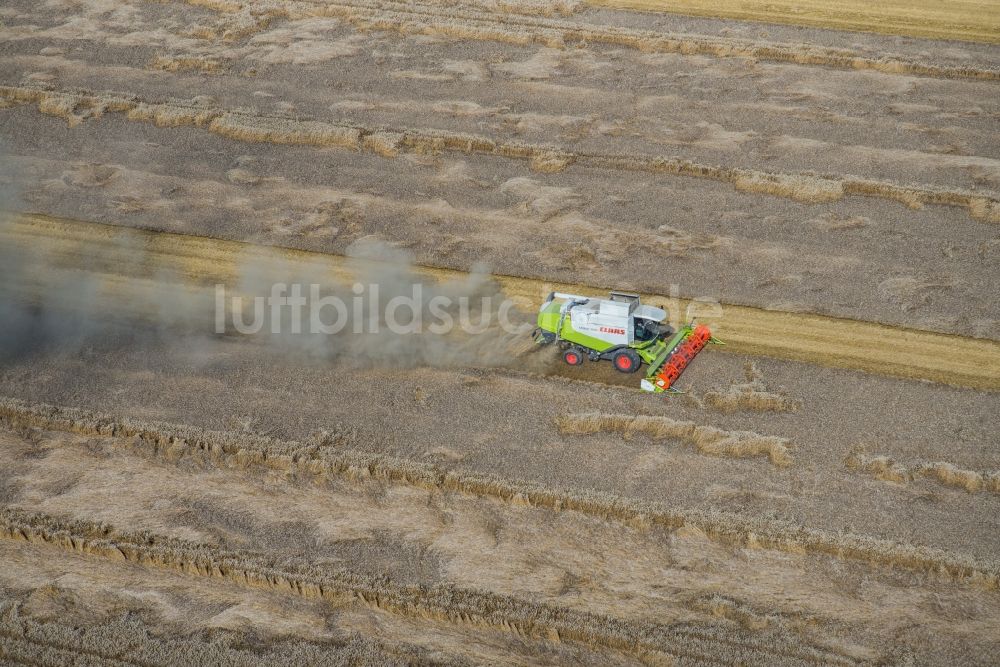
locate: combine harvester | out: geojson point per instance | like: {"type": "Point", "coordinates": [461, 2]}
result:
{"type": "Point", "coordinates": [623, 331]}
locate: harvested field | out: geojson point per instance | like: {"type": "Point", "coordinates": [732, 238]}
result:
{"type": "Point", "coordinates": [269, 393]}
{"type": "Point", "coordinates": [207, 543]}
{"type": "Point", "coordinates": [884, 468]}
{"type": "Point", "coordinates": [174, 442]}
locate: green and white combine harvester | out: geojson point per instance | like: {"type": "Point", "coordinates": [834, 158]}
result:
{"type": "Point", "coordinates": [624, 331]}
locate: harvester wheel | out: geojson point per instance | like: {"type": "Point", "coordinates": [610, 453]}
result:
{"type": "Point", "coordinates": [626, 361]}
{"type": "Point", "coordinates": [574, 356]}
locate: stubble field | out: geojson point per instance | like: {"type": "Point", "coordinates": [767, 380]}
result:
{"type": "Point", "coordinates": [825, 491]}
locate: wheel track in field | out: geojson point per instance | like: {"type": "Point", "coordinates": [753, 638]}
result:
{"type": "Point", "coordinates": [440, 602]}
{"type": "Point", "coordinates": [199, 263]}
{"type": "Point", "coordinates": [469, 23]}
{"type": "Point", "coordinates": [79, 106]}
{"type": "Point", "coordinates": [241, 450]}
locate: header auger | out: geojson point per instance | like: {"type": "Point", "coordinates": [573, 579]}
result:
{"type": "Point", "coordinates": [624, 331]}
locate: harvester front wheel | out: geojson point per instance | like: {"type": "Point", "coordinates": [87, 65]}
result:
{"type": "Point", "coordinates": [573, 356]}
{"type": "Point", "coordinates": [626, 361]}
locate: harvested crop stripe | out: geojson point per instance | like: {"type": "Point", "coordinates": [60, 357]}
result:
{"type": "Point", "coordinates": [887, 469]}
{"type": "Point", "coordinates": [707, 439]}
{"type": "Point", "coordinates": [243, 450]}
{"type": "Point", "coordinates": [202, 262]}
{"type": "Point", "coordinates": [76, 107]}
{"type": "Point", "coordinates": [468, 23]}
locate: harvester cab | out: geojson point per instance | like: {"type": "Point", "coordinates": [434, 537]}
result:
{"type": "Point", "coordinates": [622, 330]}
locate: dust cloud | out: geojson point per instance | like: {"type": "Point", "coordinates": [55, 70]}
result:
{"type": "Point", "coordinates": [59, 297]}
